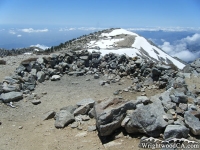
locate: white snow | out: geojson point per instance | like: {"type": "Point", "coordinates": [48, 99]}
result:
{"type": "Point", "coordinates": [131, 52]}
{"type": "Point", "coordinates": [40, 46]}
{"type": "Point", "coordinates": [118, 32]}
{"type": "Point", "coordinates": [106, 43]}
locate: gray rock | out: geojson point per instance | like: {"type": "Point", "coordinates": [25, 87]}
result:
{"type": "Point", "coordinates": [176, 131]}
{"type": "Point", "coordinates": [91, 113]}
{"type": "Point", "coordinates": [49, 115]}
{"type": "Point", "coordinates": [110, 113]}
{"type": "Point", "coordinates": [11, 96]}
{"type": "Point", "coordinates": [143, 99]}
{"type": "Point", "coordinates": [82, 110]}
{"type": "Point", "coordinates": [74, 125]}
{"type": "Point", "coordinates": [147, 119]}
{"type": "Point", "coordinates": [63, 118]}
{"type": "Point", "coordinates": [40, 76]}
{"type": "Point", "coordinates": [88, 101]}
{"type": "Point", "coordinates": [10, 80]}
{"type": "Point", "coordinates": [10, 88]}
{"type": "Point", "coordinates": [55, 78]}
{"type": "Point", "coordinates": [35, 102]}
{"type": "Point", "coordinates": [178, 97]}
{"type": "Point", "coordinates": [91, 128]}
{"type": "Point", "coordinates": [96, 76]}
{"type": "Point", "coordinates": [40, 60]}
{"type": "Point", "coordinates": [192, 122]}
{"type": "Point", "coordinates": [33, 72]}
{"type": "Point", "coordinates": [69, 108]}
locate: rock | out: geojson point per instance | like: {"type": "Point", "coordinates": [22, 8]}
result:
{"type": "Point", "coordinates": [11, 96]}
{"type": "Point", "coordinates": [20, 127]}
{"type": "Point", "coordinates": [183, 106]}
{"type": "Point", "coordinates": [55, 78]}
{"type": "Point", "coordinates": [10, 88]}
{"type": "Point", "coordinates": [192, 122]}
{"type": "Point", "coordinates": [63, 118]}
{"type": "Point", "coordinates": [178, 97]}
{"type": "Point", "coordinates": [74, 125]}
{"type": "Point", "coordinates": [81, 134]}
{"type": "Point", "coordinates": [143, 99]}
{"type": "Point", "coordinates": [40, 60]}
{"type": "Point", "coordinates": [96, 76]}
{"type": "Point", "coordinates": [83, 109]}
{"type": "Point", "coordinates": [40, 76]}
{"type": "Point", "coordinates": [49, 115]}
{"type": "Point", "coordinates": [35, 102]}
{"type": "Point", "coordinates": [111, 144]}
{"type": "Point", "coordinates": [91, 128]}
{"type": "Point", "coordinates": [110, 113]}
{"type": "Point", "coordinates": [147, 119]}
{"type": "Point", "coordinates": [88, 101]}
{"type": "Point", "coordinates": [91, 113]}
{"type": "Point", "coordinates": [33, 72]}
{"type": "Point", "coordinates": [176, 131]}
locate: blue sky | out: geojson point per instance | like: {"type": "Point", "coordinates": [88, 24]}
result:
{"type": "Point", "coordinates": [101, 13]}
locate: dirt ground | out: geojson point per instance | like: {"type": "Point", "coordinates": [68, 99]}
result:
{"type": "Point", "coordinates": [22, 128]}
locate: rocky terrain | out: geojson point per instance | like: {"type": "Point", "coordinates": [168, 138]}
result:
{"type": "Point", "coordinates": [83, 100]}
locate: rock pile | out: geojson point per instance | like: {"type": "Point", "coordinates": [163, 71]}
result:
{"type": "Point", "coordinates": [173, 113]}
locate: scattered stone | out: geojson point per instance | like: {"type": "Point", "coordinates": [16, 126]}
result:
{"type": "Point", "coordinates": [88, 101]}
{"type": "Point", "coordinates": [192, 122]}
{"type": "Point", "coordinates": [63, 118]}
{"type": "Point", "coordinates": [81, 134]}
{"type": "Point", "coordinates": [74, 125]}
{"type": "Point", "coordinates": [176, 131]}
{"type": "Point", "coordinates": [20, 127]}
{"type": "Point", "coordinates": [11, 96]}
{"type": "Point", "coordinates": [55, 78]}
{"type": "Point", "coordinates": [35, 102]}
{"type": "Point", "coordinates": [91, 128]}
{"type": "Point", "coordinates": [96, 76]}
{"type": "Point", "coordinates": [82, 110]}
{"type": "Point", "coordinates": [49, 115]}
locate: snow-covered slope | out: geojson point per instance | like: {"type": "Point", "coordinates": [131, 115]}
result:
{"type": "Point", "coordinates": [122, 41]}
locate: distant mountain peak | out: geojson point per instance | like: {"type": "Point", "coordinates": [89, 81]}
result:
{"type": "Point", "coordinates": [122, 41]}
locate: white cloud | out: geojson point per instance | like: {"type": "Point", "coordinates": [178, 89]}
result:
{"type": "Point", "coordinates": [19, 35]}
{"type": "Point", "coordinates": [12, 32]}
{"type": "Point", "coordinates": [195, 39]}
{"type": "Point", "coordinates": [31, 30]}
{"type": "Point", "coordinates": [179, 48]}
{"type": "Point", "coordinates": [166, 29]}
{"type": "Point", "coordinates": [40, 46]}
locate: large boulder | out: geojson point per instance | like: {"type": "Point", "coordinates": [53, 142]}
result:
{"type": "Point", "coordinates": [11, 96]}
{"type": "Point", "coordinates": [110, 113]}
{"type": "Point", "coordinates": [64, 117]}
{"type": "Point", "coordinates": [192, 121]}
{"type": "Point", "coordinates": [147, 119]}
{"type": "Point", "coordinates": [40, 76]}
{"type": "Point", "coordinates": [176, 131]}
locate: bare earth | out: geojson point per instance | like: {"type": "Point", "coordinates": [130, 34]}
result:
{"type": "Point", "coordinates": [22, 127]}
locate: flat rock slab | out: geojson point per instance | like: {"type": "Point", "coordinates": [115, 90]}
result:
{"type": "Point", "coordinates": [63, 118]}
{"type": "Point", "coordinates": [49, 115]}
{"type": "Point", "coordinates": [88, 101]}
{"type": "Point", "coordinates": [176, 131]}
{"type": "Point", "coordinates": [11, 96]}
{"type": "Point", "coordinates": [192, 122]}
{"type": "Point", "coordinates": [147, 119]}
{"type": "Point", "coordinates": [110, 113]}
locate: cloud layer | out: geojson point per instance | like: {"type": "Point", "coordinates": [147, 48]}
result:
{"type": "Point", "coordinates": [31, 30]}
{"type": "Point", "coordinates": [180, 48]}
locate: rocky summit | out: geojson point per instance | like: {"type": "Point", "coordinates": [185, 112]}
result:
{"type": "Point", "coordinates": [146, 92]}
